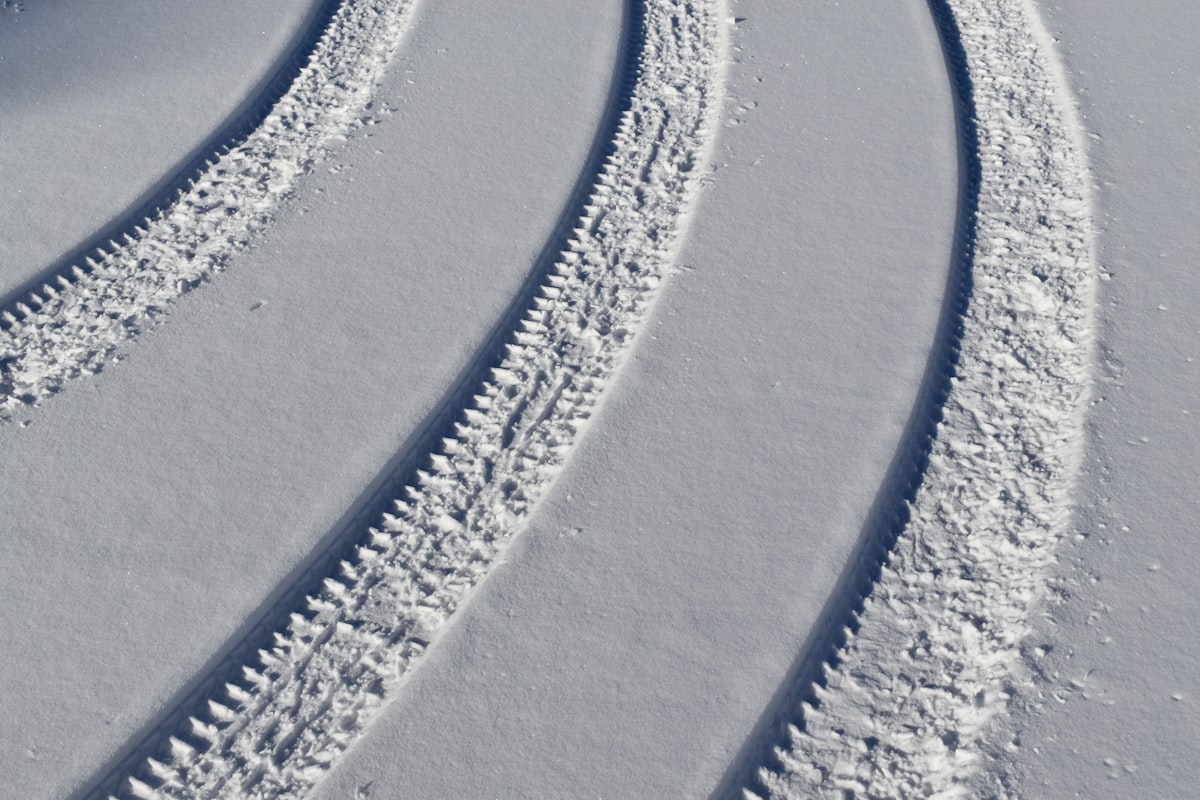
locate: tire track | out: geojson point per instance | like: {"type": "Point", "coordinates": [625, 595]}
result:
{"type": "Point", "coordinates": [69, 321]}
{"type": "Point", "coordinates": [176, 181]}
{"type": "Point", "coordinates": [276, 721]}
{"type": "Point", "coordinates": [928, 655]}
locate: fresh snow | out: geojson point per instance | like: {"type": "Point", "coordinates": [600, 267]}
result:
{"type": "Point", "coordinates": [662, 398]}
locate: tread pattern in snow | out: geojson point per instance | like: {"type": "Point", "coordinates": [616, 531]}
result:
{"type": "Point", "coordinates": [282, 718]}
{"type": "Point", "coordinates": [71, 325]}
{"type": "Point", "coordinates": [930, 658]}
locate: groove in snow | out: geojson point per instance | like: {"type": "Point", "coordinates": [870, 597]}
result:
{"type": "Point", "coordinates": [73, 323]}
{"type": "Point", "coordinates": [932, 656]}
{"type": "Point", "coordinates": [282, 720]}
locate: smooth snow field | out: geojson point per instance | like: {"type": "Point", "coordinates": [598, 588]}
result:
{"type": "Point", "coordinates": [638, 398]}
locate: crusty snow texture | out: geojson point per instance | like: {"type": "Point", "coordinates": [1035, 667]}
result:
{"type": "Point", "coordinates": [76, 321]}
{"type": "Point", "coordinates": [276, 730]}
{"type": "Point", "coordinates": [904, 710]}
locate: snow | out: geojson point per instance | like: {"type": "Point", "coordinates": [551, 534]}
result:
{"type": "Point", "coordinates": [670, 377]}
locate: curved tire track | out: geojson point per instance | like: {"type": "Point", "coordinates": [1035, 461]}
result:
{"type": "Point", "coordinates": [168, 189]}
{"type": "Point", "coordinates": [280, 719]}
{"type": "Point", "coordinates": [69, 321]}
{"type": "Point", "coordinates": [930, 656]}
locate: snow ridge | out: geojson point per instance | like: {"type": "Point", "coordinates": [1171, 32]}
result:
{"type": "Point", "coordinates": [903, 709]}
{"type": "Point", "coordinates": [277, 726]}
{"type": "Point", "coordinates": [74, 322]}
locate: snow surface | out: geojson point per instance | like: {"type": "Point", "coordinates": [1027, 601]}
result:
{"type": "Point", "coordinates": [658, 619]}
